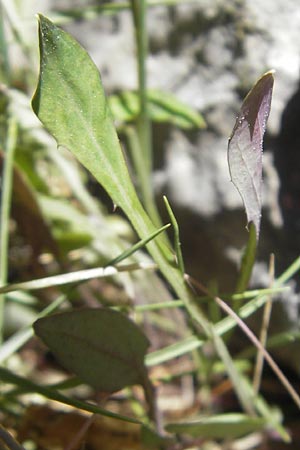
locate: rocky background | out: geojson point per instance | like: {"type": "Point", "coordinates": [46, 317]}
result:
{"type": "Point", "coordinates": [209, 53]}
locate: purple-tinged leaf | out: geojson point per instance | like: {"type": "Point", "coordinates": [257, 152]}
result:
{"type": "Point", "coordinates": [246, 145]}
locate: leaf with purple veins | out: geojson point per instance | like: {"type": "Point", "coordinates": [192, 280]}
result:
{"type": "Point", "coordinates": [245, 147]}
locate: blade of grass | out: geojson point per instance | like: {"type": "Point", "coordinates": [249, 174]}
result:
{"type": "Point", "coordinates": [276, 341]}
{"type": "Point", "coordinates": [273, 365]}
{"type": "Point", "coordinates": [172, 351]}
{"type": "Point", "coordinates": [177, 243]}
{"type": "Point", "coordinates": [192, 342]}
{"type": "Point", "coordinates": [237, 381]}
{"type": "Point", "coordinates": [137, 246]}
{"type": "Point", "coordinates": [5, 203]}
{"type": "Point", "coordinates": [252, 306]}
{"type": "Point", "coordinates": [142, 172]}
{"type": "Point", "coordinates": [52, 394]}
{"type": "Point", "coordinates": [76, 277]}
{"type": "Point", "coordinates": [178, 303]}
{"type": "Point", "coordinates": [84, 275]}
{"type": "Point", "coordinates": [272, 415]}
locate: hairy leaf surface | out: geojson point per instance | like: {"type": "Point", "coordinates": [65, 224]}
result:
{"type": "Point", "coordinates": [71, 103]}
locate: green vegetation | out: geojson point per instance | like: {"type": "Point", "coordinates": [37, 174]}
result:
{"type": "Point", "coordinates": [72, 239]}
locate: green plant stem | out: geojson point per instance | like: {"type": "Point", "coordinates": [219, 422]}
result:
{"type": "Point", "coordinates": [142, 172]}
{"type": "Point", "coordinates": [264, 331]}
{"type": "Point", "coordinates": [5, 209]}
{"type": "Point", "coordinates": [139, 9]}
{"type": "Point", "coordinates": [248, 261]}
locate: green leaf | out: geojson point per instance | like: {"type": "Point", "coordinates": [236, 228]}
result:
{"type": "Point", "coordinates": [163, 107]}
{"type": "Point", "coordinates": [221, 426]}
{"type": "Point", "coordinates": [102, 347]}
{"type": "Point", "coordinates": [70, 101]}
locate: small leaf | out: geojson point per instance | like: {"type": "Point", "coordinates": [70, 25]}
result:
{"type": "Point", "coordinates": [163, 107]}
{"type": "Point", "coordinates": [102, 347]}
{"type": "Point", "coordinates": [223, 426]}
{"type": "Point", "coordinates": [246, 144]}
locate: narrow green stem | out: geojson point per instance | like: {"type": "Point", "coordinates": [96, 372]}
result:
{"type": "Point", "coordinates": [142, 172]}
{"type": "Point", "coordinates": [248, 260]}
{"type": "Point", "coordinates": [144, 163]}
{"type": "Point", "coordinates": [7, 182]}
{"type": "Point", "coordinates": [4, 60]}
{"type": "Point", "coordinates": [139, 8]}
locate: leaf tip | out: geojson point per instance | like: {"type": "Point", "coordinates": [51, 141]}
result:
{"type": "Point", "coordinates": [270, 72]}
